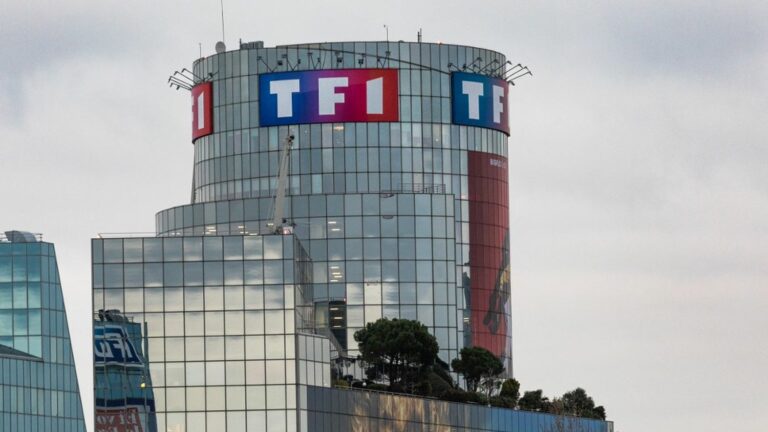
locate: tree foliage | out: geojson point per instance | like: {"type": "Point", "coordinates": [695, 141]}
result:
{"type": "Point", "coordinates": [578, 403]}
{"type": "Point", "coordinates": [479, 367]}
{"type": "Point", "coordinates": [402, 350]}
{"type": "Point", "coordinates": [510, 392]}
{"type": "Point", "coordinates": [599, 412]}
{"type": "Point", "coordinates": [574, 403]}
{"type": "Point", "coordinates": [534, 401]}
{"type": "Point", "coordinates": [443, 370]}
{"type": "Point", "coordinates": [405, 353]}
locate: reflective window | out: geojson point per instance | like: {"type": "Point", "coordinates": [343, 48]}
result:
{"type": "Point", "coordinates": [273, 272]}
{"type": "Point", "coordinates": [276, 322]}
{"type": "Point", "coordinates": [233, 248]}
{"type": "Point", "coordinates": [133, 250]}
{"type": "Point", "coordinates": [214, 298]}
{"type": "Point", "coordinates": [113, 250]}
{"type": "Point", "coordinates": [193, 249]}
{"type": "Point", "coordinates": [212, 248]}
{"type": "Point", "coordinates": [172, 250]}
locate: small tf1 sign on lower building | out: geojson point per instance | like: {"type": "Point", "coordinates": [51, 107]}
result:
{"type": "Point", "coordinates": [480, 100]}
{"type": "Point", "coordinates": [202, 110]}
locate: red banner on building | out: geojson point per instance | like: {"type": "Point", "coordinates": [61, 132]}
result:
{"type": "Point", "coordinates": [489, 252]}
{"type": "Point", "coordinates": [202, 110]}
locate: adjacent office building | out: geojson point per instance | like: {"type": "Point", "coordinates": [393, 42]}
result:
{"type": "Point", "coordinates": [38, 382]}
{"type": "Point", "coordinates": [333, 184]}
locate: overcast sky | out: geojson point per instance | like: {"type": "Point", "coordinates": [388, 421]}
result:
{"type": "Point", "coordinates": [638, 170]}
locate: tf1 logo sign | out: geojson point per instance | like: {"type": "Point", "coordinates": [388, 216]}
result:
{"type": "Point", "coordinates": [479, 100]}
{"type": "Point", "coordinates": [202, 110]}
{"type": "Point", "coordinates": [339, 95]}
{"type": "Point", "coordinates": [111, 346]}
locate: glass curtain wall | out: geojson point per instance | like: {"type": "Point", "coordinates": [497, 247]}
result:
{"type": "Point", "coordinates": [39, 389]}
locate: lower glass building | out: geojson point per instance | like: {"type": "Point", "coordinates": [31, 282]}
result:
{"type": "Point", "coordinates": [204, 333]}
{"type": "Point", "coordinates": [38, 381]}
{"type": "Point", "coordinates": [333, 184]}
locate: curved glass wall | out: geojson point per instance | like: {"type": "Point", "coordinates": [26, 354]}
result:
{"type": "Point", "coordinates": [240, 158]}
{"type": "Point", "coordinates": [235, 169]}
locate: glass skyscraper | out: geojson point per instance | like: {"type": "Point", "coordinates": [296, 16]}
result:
{"type": "Point", "coordinates": [396, 206]}
{"type": "Point", "coordinates": [402, 218]}
{"type": "Point", "coordinates": [38, 381]}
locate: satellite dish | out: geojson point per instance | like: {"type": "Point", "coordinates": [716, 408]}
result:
{"type": "Point", "coordinates": [220, 47]}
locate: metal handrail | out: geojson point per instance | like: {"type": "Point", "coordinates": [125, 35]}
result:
{"type": "Point", "coordinates": [435, 188]}
{"type": "Point", "coordinates": [126, 234]}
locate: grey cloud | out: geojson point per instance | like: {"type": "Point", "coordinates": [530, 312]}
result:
{"type": "Point", "coordinates": [36, 38]}
{"type": "Point", "coordinates": [639, 195]}
{"type": "Point", "coordinates": [700, 39]}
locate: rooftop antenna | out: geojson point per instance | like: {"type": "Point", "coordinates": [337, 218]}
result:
{"type": "Point", "coordinates": [418, 36]}
{"type": "Point", "coordinates": [223, 37]}
{"type": "Point", "coordinates": [386, 27]}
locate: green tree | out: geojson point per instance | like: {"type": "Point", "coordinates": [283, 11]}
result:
{"type": "Point", "coordinates": [534, 401]}
{"type": "Point", "coordinates": [480, 368]}
{"type": "Point", "coordinates": [510, 392]}
{"type": "Point", "coordinates": [578, 403]}
{"type": "Point", "coordinates": [402, 350]}
{"type": "Point", "coordinates": [443, 370]}
{"type": "Point", "coordinates": [439, 377]}
{"type": "Point", "coordinates": [599, 412]}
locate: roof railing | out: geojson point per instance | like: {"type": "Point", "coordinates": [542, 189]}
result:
{"type": "Point", "coordinates": [20, 237]}
{"type": "Point", "coordinates": [126, 234]}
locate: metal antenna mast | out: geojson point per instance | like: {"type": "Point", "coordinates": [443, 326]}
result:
{"type": "Point", "coordinates": [223, 37]}
{"type": "Point", "coordinates": [282, 178]}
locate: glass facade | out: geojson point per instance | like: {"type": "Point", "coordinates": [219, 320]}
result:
{"type": "Point", "coordinates": [381, 255]}
{"type": "Point", "coordinates": [402, 186]}
{"type": "Point", "coordinates": [38, 381]}
{"type": "Point", "coordinates": [218, 324]}
{"type": "Point", "coordinates": [348, 410]}
{"type": "Point", "coordinates": [203, 332]}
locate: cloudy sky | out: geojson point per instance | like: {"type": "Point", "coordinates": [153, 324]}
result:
{"type": "Point", "coordinates": [638, 165]}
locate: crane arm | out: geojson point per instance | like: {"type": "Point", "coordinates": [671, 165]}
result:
{"type": "Point", "coordinates": [282, 179]}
